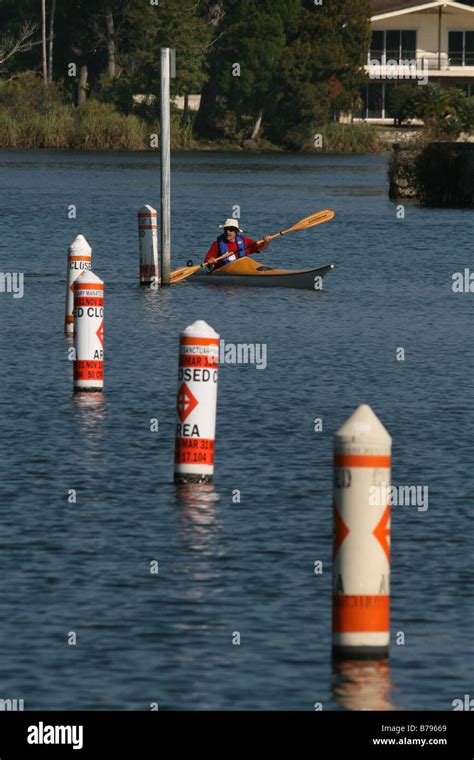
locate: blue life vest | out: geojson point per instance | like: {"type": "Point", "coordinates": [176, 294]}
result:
{"type": "Point", "coordinates": [223, 248]}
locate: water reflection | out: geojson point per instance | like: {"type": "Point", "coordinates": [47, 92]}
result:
{"type": "Point", "coordinates": [158, 301]}
{"type": "Point", "coordinates": [362, 684]}
{"type": "Point", "coordinates": [199, 523]}
{"type": "Point", "coordinates": [91, 412]}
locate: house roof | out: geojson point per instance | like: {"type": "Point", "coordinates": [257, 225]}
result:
{"type": "Point", "coordinates": [385, 8]}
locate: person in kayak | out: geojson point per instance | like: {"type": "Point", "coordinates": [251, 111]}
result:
{"type": "Point", "coordinates": [232, 241]}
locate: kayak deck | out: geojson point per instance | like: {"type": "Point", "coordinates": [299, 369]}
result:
{"type": "Point", "coordinates": [247, 271]}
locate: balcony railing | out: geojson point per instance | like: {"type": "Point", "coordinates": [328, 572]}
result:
{"type": "Point", "coordinates": [442, 62]}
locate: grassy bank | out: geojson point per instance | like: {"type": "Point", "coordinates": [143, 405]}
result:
{"type": "Point", "coordinates": [32, 116]}
{"type": "Point", "coordinates": [97, 126]}
{"type": "Point", "coordinates": [346, 138]}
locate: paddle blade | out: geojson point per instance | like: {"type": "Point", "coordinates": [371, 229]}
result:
{"type": "Point", "coordinates": [183, 272]}
{"type": "Point", "coordinates": [310, 221]}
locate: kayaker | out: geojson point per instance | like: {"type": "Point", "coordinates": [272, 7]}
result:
{"type": "Point", "coordinates": [231, 240]}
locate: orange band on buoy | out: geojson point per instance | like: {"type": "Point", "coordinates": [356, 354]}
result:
{"type": "Point", "coordinates": [89, 301]}
{"type": "Point", "coordinates": [361, 614]}
{"type": "Point", "coordinates": [88, 369]}
{"type": "Point", "coordinates": [198, 360]}
{"type": "Point", "coordinates": [194, 451]}
{"type": "Point", "coordinates": [192, 341]}
{"type": "Point", "coordinates": [88, 285]}
{"type": "Point", "coordinates": [361, 460]}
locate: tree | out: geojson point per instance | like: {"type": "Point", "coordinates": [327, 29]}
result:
{"type": "Point", "coordinates": [51, 40]}
{"type": "Point", "coordinates": [11, 45]}
{"type": "Point", "coordinates": [322, 68]}
{"type": "Point", "coordinates": [143, 30]}
{"type": "Point", "coordinates": [244, 62]}
{"type": "Point", "coordinates": [112, 66]}
{"type": "Point", "coordinates": [43, 38]}
{"type": "Point", "coordinates": [299, 63]}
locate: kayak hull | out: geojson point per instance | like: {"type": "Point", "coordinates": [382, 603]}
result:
{"type": "Point", "coordinates": [252, 273]}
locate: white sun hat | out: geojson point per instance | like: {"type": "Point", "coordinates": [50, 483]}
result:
{"type": "Point", "coordinates": [231, 223]}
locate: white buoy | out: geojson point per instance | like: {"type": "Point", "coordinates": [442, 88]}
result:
{"type": "Point", "coordinates": [148, 242]}
{"type": "Point", "coordinates": [88, 333]}
{"type": "Point", "coordinates": [361, 554]}
{"type": "Point", "coordinates": [196, 404]}
{"type": "Point", "coordinates": [79, 259]}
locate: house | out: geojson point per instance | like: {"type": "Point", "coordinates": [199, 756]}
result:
{"type": "Point", "coordinates": [417, 42]}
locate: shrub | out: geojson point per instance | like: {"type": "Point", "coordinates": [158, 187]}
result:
{"type": "Point", "coordinates": [402, 103]}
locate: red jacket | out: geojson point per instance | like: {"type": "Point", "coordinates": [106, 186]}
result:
{"type": "Point", "coordinates": [213, 252]}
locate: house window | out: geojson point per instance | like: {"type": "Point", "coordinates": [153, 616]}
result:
{"type": "Point", "coordinates": [376, 101]}
{"type": "Point", "coordinates": [461, 48]}
{"type": "Point", "coordinates": [374, 105]}
{"type": "Point", "coordinates": [393, 45]}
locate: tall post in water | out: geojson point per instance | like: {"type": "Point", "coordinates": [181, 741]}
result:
{"type": "Point", "coordinates": [165, 167]}
{"type": "Point", "coordinates": [361, 553]}
{"type": "Point", "coordinates": [88, 333]}
{"type": "Point", "coordinates": [148, 242]}
{"type": "Point", "coordinates": [79, 260]}
{"type": "Point", "coordinates": [196, 404]}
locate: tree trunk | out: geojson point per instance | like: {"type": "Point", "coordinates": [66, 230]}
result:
{"type": "Point", "coordinates": [109, 18]}
{"type": "Point", "coordinates": [43, 36]}
{"type": "Point", "coordinates": [205, 123]}
{"type": "Point", "coordinates": [82, 93]}
{"type": "Point", "coordinates": [51, 41]}
{"type": "Point", "coordinates": [257, 125]}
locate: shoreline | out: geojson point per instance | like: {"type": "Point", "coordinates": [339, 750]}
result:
{"type": "Point", "coordinates": [384, 139]}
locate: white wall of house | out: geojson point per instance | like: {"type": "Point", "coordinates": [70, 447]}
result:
{"type": "Point", "coordinates": [426, 25]}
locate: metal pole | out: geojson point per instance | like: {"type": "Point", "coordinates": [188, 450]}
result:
{"type": "Point", "coordinates": [439, 37]}
{"type": "Point", "coordinates": [165, 250]}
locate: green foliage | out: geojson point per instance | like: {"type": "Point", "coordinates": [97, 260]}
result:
{"type": "Point", "coordinates": [465, 111]}
{"type": "Point", "coordinates": [27, 93]}
{"type": "Point", "coordinates": [35, 116]}
{"type": "Point", "coordinates": [300, 65]}
{"type": "Point", "coordinates": [146, 29]}
{"type": "Point", "coordinates": [347, 138]}
{"type": "Point", "coordinates": [321, 70]}
{"type": "Point", "coordinates": [402, 102]}
{"type": "Point", "coordinates": [445, 112]}
{"type": "Point", "coordinates": [98, 126]}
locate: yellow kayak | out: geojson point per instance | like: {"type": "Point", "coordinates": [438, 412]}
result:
{"type": "Point", "coordinates": [247, 271]}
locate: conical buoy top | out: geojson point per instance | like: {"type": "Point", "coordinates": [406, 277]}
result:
{"type": "Point", "coordinates": [87, 278]}
{"type": "Point", "coordinates": [200, 329]}
{"type": "Point", "coordinates": [80, 247]}
{"type": "Point", "coordinates": [363, 424]}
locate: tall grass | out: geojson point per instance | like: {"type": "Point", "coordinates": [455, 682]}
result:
{"type": "Point", "coordinates": [98, 126]}
{"type": "Point", "coordinates": [34, 116]}
{"type": "Point", "coordinates": [347, 138]}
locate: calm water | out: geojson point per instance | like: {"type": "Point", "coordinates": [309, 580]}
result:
{"type": "Point", "coordinates": [226, 567]}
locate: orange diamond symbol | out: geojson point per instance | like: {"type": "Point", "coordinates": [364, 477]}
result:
{"type": "Point", "coordinates": [382, 532]}
{"type": "Point", "coordinates": [185, 402]}
{"type": "Point", "coordinates": [100, 333]}
{"type": "Point", "coordinates": [340, 530]}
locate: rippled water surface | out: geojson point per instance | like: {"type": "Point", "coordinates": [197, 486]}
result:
{"type": "Point", "coordinates": [225, 566]}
